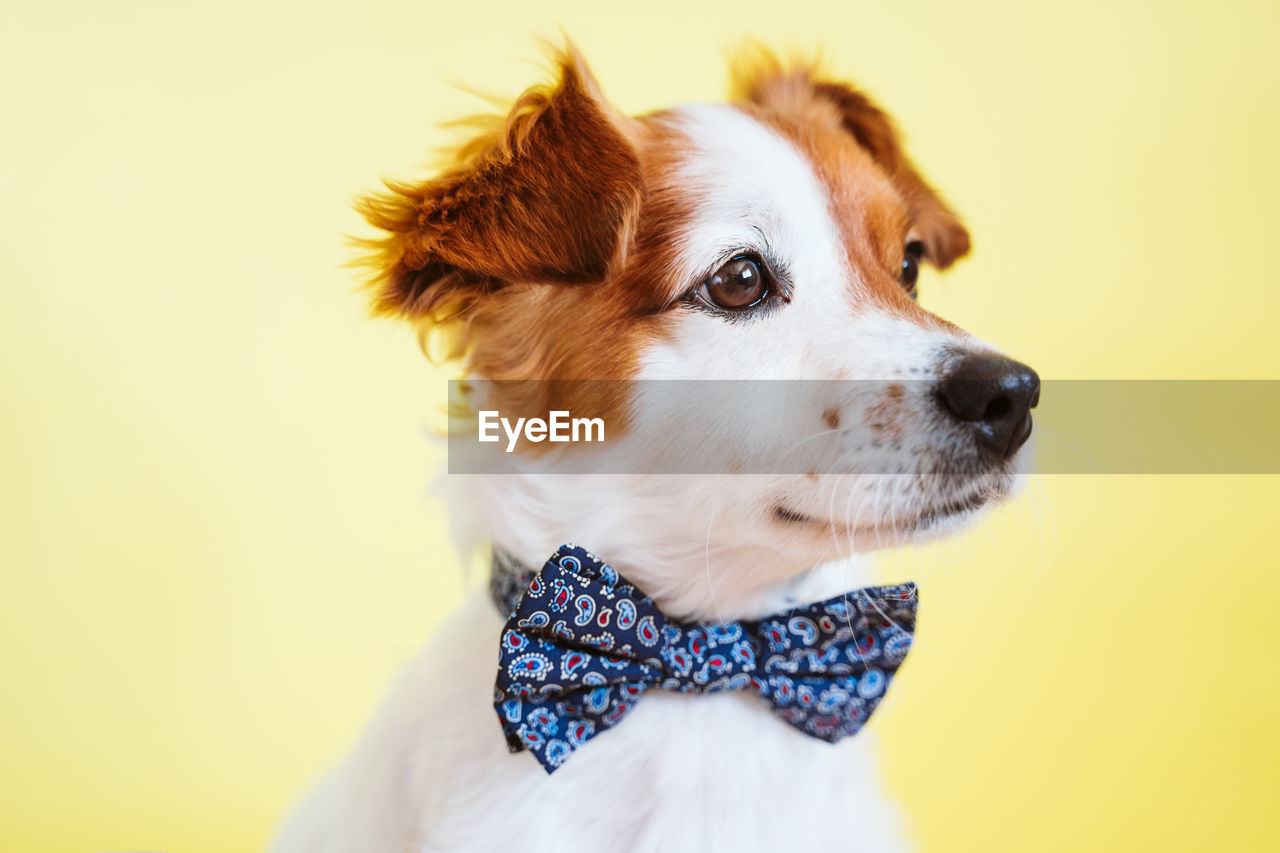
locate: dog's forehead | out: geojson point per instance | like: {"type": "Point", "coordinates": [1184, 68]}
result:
{"type": "Point", "coordinates": [745, 185]}
{"type": "Point", "coordinates": [742, 169]}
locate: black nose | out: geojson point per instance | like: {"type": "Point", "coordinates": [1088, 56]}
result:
{"type": "Point", "coordinates": [994, 395]}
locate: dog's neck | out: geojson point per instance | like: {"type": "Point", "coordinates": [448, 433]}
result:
{"type": "Point", "coordinates": [694, 561]}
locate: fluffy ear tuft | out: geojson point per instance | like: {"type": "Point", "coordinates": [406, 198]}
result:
{"type": "Point", "coordinates": [549, 197]}
{"type": "Point", "coordinates": [938, 226]}
{"type": "Point", "coordinates": [763, 80]}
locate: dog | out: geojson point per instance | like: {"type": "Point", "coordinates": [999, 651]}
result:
{"type": "Point", "coordinates": [777, 236]}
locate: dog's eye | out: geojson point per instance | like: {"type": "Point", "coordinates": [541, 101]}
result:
{"type": "Point", "coordinates": [911, 256]}
{"type": "Point", "coordinates": [736, 286]}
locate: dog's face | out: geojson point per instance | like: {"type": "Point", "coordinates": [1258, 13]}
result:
{"type": "Point", "coordinates": [775, 238]}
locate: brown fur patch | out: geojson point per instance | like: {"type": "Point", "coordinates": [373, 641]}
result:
{"type": "Point", "coordinates": [877, 197]}
{"type": "Point", "coordinates": [548, 198]}
{"type": "Point", "coordinates": [888, 416]}
{"type": "Point", "coordinates": [514, 257]}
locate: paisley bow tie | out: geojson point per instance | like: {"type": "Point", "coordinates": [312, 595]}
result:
{"type": "Point", "coordinates": [584, 644]}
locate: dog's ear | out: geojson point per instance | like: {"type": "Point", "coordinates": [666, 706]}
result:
{"type": "Point", "coordinates": [550, 196]}
{"type": "Point", "coordinates": [759, 77]}
{"type": "Point", "coordinates": [945, 238]}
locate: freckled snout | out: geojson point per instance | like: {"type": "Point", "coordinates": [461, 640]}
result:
{"type": "Point", "coordinates": [993, 396]}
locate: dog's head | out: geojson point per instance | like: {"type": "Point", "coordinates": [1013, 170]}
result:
{"type": "Point", "coordinates": [775, 237]}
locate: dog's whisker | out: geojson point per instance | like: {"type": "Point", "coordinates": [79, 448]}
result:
{"type": "Point", "coordinates": [1044, 506]}
{"type": "Point", "coordinates": [1086, 457]}
{"type": "Point", "coordinates": [844, 583]}
{"type": "Point", "coordinates": [831, 518]}
{"type": "Point", "coordinates": [711, 586]}
{"type": "Point", "coordinates": [809, 438]}
{"type": "Point", "coordinates": [880, 610]}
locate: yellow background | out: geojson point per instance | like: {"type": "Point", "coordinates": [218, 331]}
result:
{"type": "Point", "coordinates": [216, 542]}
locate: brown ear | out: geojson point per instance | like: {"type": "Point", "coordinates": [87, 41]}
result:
{"type": "Point", "coordinates": [761, 78]}
{"type": "Point", "coordinates": [939, 228]}
{"type": "Point", "coordinates": [549, 197]}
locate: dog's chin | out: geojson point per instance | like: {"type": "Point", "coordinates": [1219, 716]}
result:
{"type": "Point", "coordinates": [951, 516]}
{"type": "Point", "coordinates": [938, 517]}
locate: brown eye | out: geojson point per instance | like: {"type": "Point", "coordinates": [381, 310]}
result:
{"type": "Point", "coordinates": [737, 285]}
{"type": "Point", "coordinates": [911, 256]}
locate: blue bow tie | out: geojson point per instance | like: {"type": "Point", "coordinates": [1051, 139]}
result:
{"type": "Point", "coordinates": [583, 644]}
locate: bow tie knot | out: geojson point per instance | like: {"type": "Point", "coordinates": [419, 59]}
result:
{"type": "Point", "coordinates": [584, 644]}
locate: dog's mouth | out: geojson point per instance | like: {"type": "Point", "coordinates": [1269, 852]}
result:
{"type": "Point", "coordinates": [956, 507]}
{"type": "Point", "coordinates": [920, 521]}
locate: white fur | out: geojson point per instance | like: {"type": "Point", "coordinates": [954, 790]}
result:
{"type": "Point", "coordinates": [680, 773]}
{"type": "Point", "coordinates": [717, 773]}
